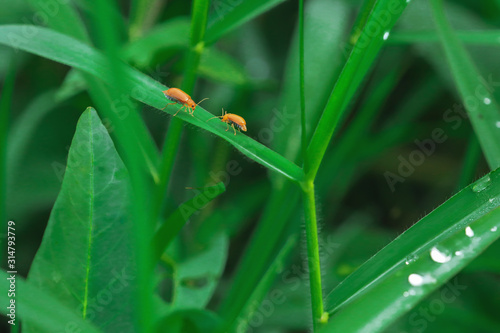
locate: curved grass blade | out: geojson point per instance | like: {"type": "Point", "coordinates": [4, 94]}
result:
{"type": "Point", "coordinates": [38, 307]}
{"type": "Point", "coordinates": [362, 56]}
{"type": "Point", "coordinates": [226, 17]}
{"type": "Point", "coordinates": [68, 51]}
{"type": "Point", "coordinates": [174, 223]}
{"type": "Point", "coordinates": [483, 110]}
{"type": "Point", "coordinates": [436, 248]}
{"type": "Point", "coordinates": [86, 250]}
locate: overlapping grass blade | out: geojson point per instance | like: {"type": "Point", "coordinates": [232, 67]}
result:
{"type": "Point", "coordinates": [68, 51]}
{"type": "Point", "coordinates": [483, 110]}
{"type": "Point", "coordinates": [37, 306]}
{"type": "Point", "coordinates": [436, 248]}
{"type": "Point", "coordinates": [174, 223]}
{"type": "Point", "coordinates": [360, 60]}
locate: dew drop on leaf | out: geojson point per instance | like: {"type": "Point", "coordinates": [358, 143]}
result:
{"type": "Point", "coordinates": [440, 256]}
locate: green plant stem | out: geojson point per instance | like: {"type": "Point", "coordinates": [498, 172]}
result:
{"type": "Point", "coordinates": [302, 84]}
{"type": "Point", "coordinates": [313, 255]}
{"type": "Point", "coordinates": [173, 137]}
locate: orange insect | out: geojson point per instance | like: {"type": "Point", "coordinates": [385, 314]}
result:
{"type": "Point", "coordinates": [233, 120]}
{"type": "Point", "coordinates": [178, 96]}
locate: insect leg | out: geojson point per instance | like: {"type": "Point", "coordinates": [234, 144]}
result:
{"type": "Point", "coordinates": [168, 105]}
{"type": "Point", "coordinates": [179, 110]}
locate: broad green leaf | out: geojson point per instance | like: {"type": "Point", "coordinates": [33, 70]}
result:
{"type": "Point", "coordinates": [68, 51]}
{"type": "Point", "coordinates": [196, 278]}
{"type": "Point", "coordinates": [244, 320]}
{"type": "Point", "coordinates": [377, 29]}
{"type": "Point", "coordinates": [483, 110]}
{"type": "Point", "coordinates": [174, 223]}
{"type": "Point", "coordinates": [435, 248]}
{"type": "Point", "coordinates": [39, 307]}
{"type": "Point", "coordinates": [198, 321]}
{"type": "Point", "coordinates": [85, 259]}
{"type": "Point", "coordinates": [228, 15]}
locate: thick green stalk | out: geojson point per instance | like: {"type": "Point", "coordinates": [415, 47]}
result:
{"type": "Point", "coordinates": [173, 137]}
{"type": "Point", "coordinates": [319, 316]}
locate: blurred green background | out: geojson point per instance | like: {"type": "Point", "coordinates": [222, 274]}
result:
{"type": "Point", "coordinates": [405, 98]}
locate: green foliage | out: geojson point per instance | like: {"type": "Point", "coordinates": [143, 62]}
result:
{"type": "Point", "coordinates": [366, 127]}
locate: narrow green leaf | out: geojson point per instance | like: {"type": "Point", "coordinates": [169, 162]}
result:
{"type": "Point", "coordinates": [86, 253]}
{"type": "Point", "coordinates": [483, 110]}
{"type": "Point", "coordinates": [435, 248]}
{"type": "Point", "coordinates": [491, 37]}
{"type": "Point", "coordinates": [227, 16]}
{"type": "Point", "coordinates": [174, 223]}
{"type": "Point", "coordinates": [195, 279]}
{"type": "Point", "coordinates": [39, 307]}
{"type": "Point", "coordinates": [68, 51]}
{"type": "Point", "coordinates": [373, 35]}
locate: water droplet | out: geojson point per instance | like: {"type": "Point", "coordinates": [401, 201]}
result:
{"type": "Point", "coordinates": [497, 124]}
{"type": "Point", "coordinates": [411, 258]}
{"type": "Point", "coordinates": [459, 253]}
{"type": "Point", "coordinates": [491, 200]}
{"type": "Point", "coordinates": [494, 229]}
{"type": "Point", "coordinates": [481, 184]}
{"type": "Point", "coordinates": [386, 35]}
{"type": "Point", "coordinates": [416, 280]}
{"type": "Point", "coordinates": [406, 294]}
{"type": "Point", "coordinates": [487, 101]}
{"type": "Point", "coordinates": [469, 232]}
{"type": "Point", "coordinates": [439, 256]}
{"type": "Point", "coordinates": [412, 292]}
{"type": "Point", "coordinates": [408, 1]}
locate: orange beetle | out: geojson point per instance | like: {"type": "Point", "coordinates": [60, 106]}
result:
{"type": "Point", "coordinates": [178, 96]}
{"type": "Point", "coordinates": [233, 120]}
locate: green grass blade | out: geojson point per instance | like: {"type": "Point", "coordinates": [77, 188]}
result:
{"type": "Point", "coordinates": [226, 16]}
{"type": "Point", "coordinates": [75, 54]}
{"type": "Point", "coordinates": [382, 304]}
{"type": "Point", "coordinates": [303, 127]}
{"type": "Point", "coordinates": [357, 66]}
{"type": "Point", "coordinates": [37, 306]}
{"type": "Point", "coordinates": [261, 289]}
{"type": "Point", "coordinates": [388, 270]}
{"type": "Point", "coordinates": [90, 213]}
{"type": "Point", "coordinates": [174, 223]}
{"type": "Point", "coordinates": [479, 101]}
{"type": "Point", "coordinates": [468, 37]}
